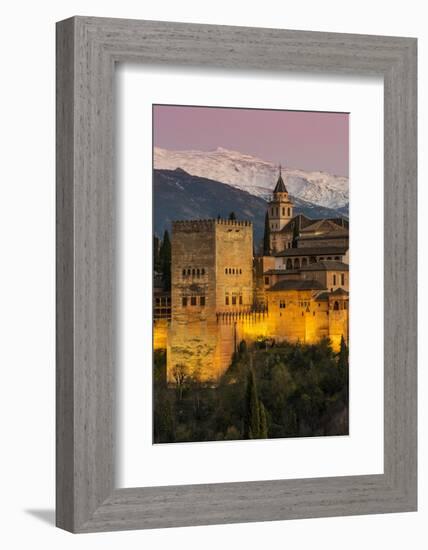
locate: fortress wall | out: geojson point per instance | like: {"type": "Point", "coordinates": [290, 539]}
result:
{"type": "Point", "coordinates": [160, 333]}
{"type": "Point", "coordinates": [338, 326]}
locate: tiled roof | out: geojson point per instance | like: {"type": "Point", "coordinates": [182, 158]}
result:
{"type": "Point", "coordinates": [313, 251]}
{"type": "Point", "coordinates": [340, 292]}
{"type": "Point", "coordinates": [322, 297]}
{"type": "Point", "coordinates": [301, 220]}
{"type": "Point", "coordinates": [326, 265]}
{"type": "Point", "coordinates": [296, 285]}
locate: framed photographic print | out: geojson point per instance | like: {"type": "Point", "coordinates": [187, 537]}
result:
{"type": "Point", "coordinates": [236, 274]}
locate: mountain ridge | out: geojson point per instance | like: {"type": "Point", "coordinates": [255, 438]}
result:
{"type": "Point", "coordinates": [256, 176]}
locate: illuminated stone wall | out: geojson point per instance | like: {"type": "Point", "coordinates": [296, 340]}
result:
{"type": "Point", "coordinates": [212, 297]}
{"type": "Point", "coordinates": [211, 272]}
{"type": "Point", "coordinates": [160, 334]}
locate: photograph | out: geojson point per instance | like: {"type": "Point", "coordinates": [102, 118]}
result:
{"type": "Point", "coordinates": [250, 274]}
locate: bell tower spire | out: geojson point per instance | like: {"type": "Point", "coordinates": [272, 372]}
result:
{"type": "Point", "coordinates": [280, 210]}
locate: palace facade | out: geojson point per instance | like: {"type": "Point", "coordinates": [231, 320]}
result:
{"type": "Point", "coordinates": [221, 294]}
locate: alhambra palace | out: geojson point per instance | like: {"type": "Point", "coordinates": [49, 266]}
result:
{"type": "Point", "coordinates": [221, 293]}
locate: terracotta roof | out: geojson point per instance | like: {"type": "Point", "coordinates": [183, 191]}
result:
{"type": "Point", "coordinates": [340, 292]}
{"type": "Point", "coordinates": [301, 220]}
{"type": "Point", "coordinates": [280, 271]}
{"type": "Point", "coordinates": [296, 285]}
{"type": "Point", "coordinates": [313, 251]}
{"type": "Point", "coordinates": [323, 265]}
{"type": "Point", "coordinates": [326, 265]}
{"type": "Point", "coordinates": [322, 297]}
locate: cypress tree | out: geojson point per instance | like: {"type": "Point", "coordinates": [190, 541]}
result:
{"type": "Point", "coordinates": [156, 255]}
{"type": "Point", "coordinates": [296, 232]}
{"type": "Point", "coordinates": [343, 355]}
{"type": "Point", "coordinates": [252, 409]}
{"type": "Point", "coordinates": [263, 433]}
{"type": "Point", "coordinates": [232, 216]}
{"type": "Point", "coordinates": [165, 261]}
{"type": "Point", "coordinates": [266, 237]}
{"type": "Point", "coordinates": [343, 366]}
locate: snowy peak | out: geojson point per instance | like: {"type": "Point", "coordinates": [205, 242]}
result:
{"type": "Point", "coordinates": [255, 175]}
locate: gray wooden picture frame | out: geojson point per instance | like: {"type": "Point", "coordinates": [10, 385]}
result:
{"type": "Point", "coordinates": [87, 50]}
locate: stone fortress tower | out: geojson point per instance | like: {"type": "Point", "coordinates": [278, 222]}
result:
{"type": "Point", "coordinates": [211, 273]}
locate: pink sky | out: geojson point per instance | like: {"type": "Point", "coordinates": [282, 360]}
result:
{"type": "Point", "coordinates": [298, 139]}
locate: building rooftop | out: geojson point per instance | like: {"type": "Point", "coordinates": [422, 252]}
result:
{"type": "Point", "coordinates": [300, 220]}
{"type": "Point", "coordinates": [313, 251]}
{"type": "Point", "coordinates": [324, 265]}
{"type": "Point", "coordinates": [322, 296]}
{"type": "Point", "coordinates": [296, 285]}
{"type": "Point", "coordinates": [340, 292]}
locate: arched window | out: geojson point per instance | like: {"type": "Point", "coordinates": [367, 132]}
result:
{"type": "Point", "coordinates": [233, 271]}
{"type": "Point", "coordinates": [198, 273]}
{"type": "Point", "coordinates": [202, 271]}
{"type": "Point", "coordinates": [188, 272]}
{"type": "Point", "coordinates": [289, 264]}
{"type": "Point", "coordinates": [225, 270]}
{"type": "Point", "coordinates": [289, 212]}
{"type": "Point", "coordinates": [337, 258]}
{"type": "Point", "coordinates": [240, 271]}
{"type": "Point", "coordinates": [329, 258]}
{"type": "Point", "coordinates": [193, 272]}
{"type": "Point", "coordinates": [334, 279]}
{"type": "Point", "coordinates": [184, 272]}
{"type": "Point", "coordinates": [304, 261]}
{"type": "Point", "coordinates": [230, 271]}
{"type": "Point", "coordinates": [296, 263]}
{"type": "Point", "coordinates": [336, 306]}
{"type": "Point", "coordinates": [342, 279]}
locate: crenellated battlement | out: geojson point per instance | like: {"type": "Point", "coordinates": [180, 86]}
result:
{"type": "Point", "coordinates": [252, 316]}
{"type": "Point", "coordinates": [207, 224]}
{"type": "Point", "coordinates": [193, 225]}
{"type": "Point", "coordinates": [241, 223]}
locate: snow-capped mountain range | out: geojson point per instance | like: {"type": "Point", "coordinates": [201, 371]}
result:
{"type": "Point", "coordinates": [257, 176]}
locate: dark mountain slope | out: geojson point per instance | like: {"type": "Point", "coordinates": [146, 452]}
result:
{"type": "Point", "coordinates": [178, 195]}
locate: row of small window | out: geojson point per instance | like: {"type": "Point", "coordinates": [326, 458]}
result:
{"type": "Point", "coordinates": [275, 211]}
{"type": "Point", "coordinates": [342, 279]}
{"type": "Point", "coordinates": [192, 300]}
{"type": "Point", "coordinates": [193, 272]}
{"type": "Point", "coordinates": [232, 271]}
{"type": "Point", "coordinates": [233, 300]}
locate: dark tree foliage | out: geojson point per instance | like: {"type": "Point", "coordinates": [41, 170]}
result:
{"type": "Point", "coordinates": [156, 254]}
{"type": "Point", "coordinates": [165, 261]}
{"type": "Point", "coordinates": [252, 408]}
{"type": "Point", "coordinates": [232, 216]}
{"type": "Point", "coordinates": [296, 232]}
{"type": "Point", "coordinates": [266, 237]}
{"type": "Point", "coordinates": [280, 390]}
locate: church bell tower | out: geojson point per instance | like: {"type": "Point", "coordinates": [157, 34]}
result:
{"type": "Point", "coordinates": [280, 206]}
